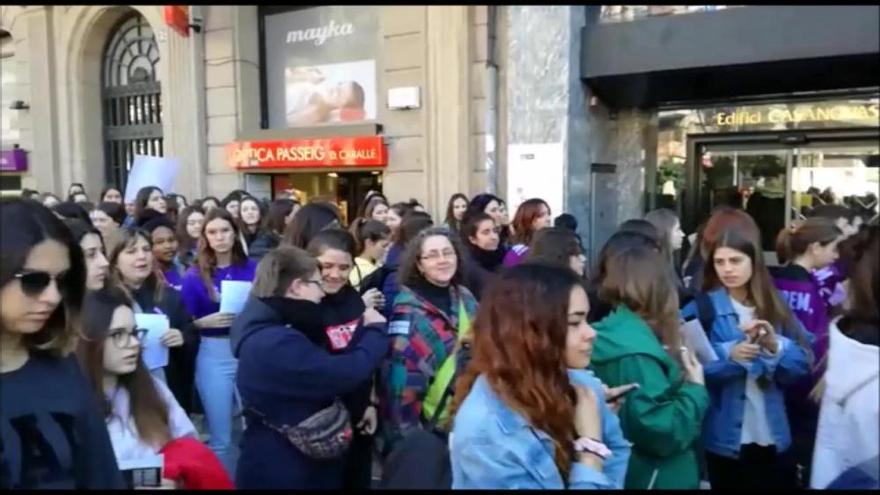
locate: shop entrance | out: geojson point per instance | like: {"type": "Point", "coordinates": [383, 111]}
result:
{"type": "Point", "coordinates": [346, 189]}
{"type": "Point", "coordinates": [779, 177]}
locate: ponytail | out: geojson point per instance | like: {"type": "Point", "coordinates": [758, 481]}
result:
{"type": "Point", "coordinates": [365, 230]}
{"type": "Point", "coordinates": [796, 239]}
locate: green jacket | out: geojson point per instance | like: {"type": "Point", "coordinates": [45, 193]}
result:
{"type": "Point", "coordinates": [663, 418]}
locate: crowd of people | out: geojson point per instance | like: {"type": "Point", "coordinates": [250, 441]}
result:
{"type": "Point", "coordinates": [472, 352]}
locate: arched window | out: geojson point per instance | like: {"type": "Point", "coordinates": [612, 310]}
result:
{"type": "Point", "coordinates": [131, 95]}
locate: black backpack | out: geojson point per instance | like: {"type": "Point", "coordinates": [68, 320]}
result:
{"type": "Point", "coordinates": [421, 460]}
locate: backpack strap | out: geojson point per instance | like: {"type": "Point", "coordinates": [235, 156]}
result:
{"type": "Point", "coordinates": [705, 311]}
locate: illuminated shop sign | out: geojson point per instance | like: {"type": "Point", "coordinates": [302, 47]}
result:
{"type": "Point", "coordinates": [368, 151]}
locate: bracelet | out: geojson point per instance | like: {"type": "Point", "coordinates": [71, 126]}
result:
{"type": "Point", "coordinates": [593, 446]}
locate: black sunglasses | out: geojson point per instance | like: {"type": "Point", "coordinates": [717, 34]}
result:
{"type": "Point", "coordinates": [34, 283]}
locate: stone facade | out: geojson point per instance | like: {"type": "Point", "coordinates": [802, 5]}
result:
{"type": "Point", "coordinates": [211, 95]}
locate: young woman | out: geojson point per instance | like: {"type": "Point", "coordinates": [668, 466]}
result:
{"type": "Point", "coordinates": [148, 198]}
{"type": "Point", "coordinates": [504, 221]}
{"type": "Point", "coordinates": [722, 218]}
{"type": "Point", "coordinates": [531, 216]}
{"type": "Point", "coordinates": [92, 245]}
{"type": "Point", "coordinates": [111, 194]}
{"type": "Point", "coordinates": [804, 248]}
{"type": "Point", "coordinates": [134, 270]}
{"type": "Point", "coordinates": [394, 217]}
{"type": "Point", "coordinates": [483, 246]}
{"type": "Point", "coordinates": [484, 203]}
{"type": "Point", "coordinates": [209, 203]}
{"type": "Point", "coordinates": [455, 209]}
{"type": "Point", "coordinates": [189, 231]}
{"type": "Point", "coordinates": [671, 237]}
{"type": "Point", "coordinates": [762, 350]}
{"type": "Point", "coordinates": [343, 308]}
{"type": "Point", "coordinates": [414, 223]}
{"type": "Point", "coordinates": [287, 373]}
{"type": "Point", "coordinates": [163, 240]}
{"type": "Point", "coordinates": [311, 219]}
{"type": "Point", "coordinates": [141, 413]}
{"type": "Point", "coordinates": [232, 204]}
{"type": "Point", "coordinates": [525, 404]}
{"type": "Point", "coordinates": [374, 208]}
{"type": "Point", "coordinates": [639, 343]}
{"type": "Point", "coordinates": [558, 246]}
{"type": "Point", "coordinates": [281, 213]}
{"type": "Point", "coordinates": [52, 428]}
{"type": "Point", "coordinates": [220, 257]}
{"type": "Point", "coordinates": [373, 240]}
{"type": "Point", "coordinates": [256, 235]}
{"type": "Point", "coordinates": [49, 200]}
{"type": "Point", "coordinates": [430, 314]}
{"type": "Point", "coordinates": [617, 243]}
{"type": "Point", "coordinates": [847, 447]}
{"type": "Point", "coordinates": [180, 199]}
{"type": "Point", "coordinates": [108, 219]}
{"type": "Point", "coordinates": [172, 207]}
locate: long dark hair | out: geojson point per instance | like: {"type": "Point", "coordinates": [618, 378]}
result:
{"type": "Point", "coordinates": [141, 200]}
{"type": "Point", "coordinates": [365, 230]}
{"type": "Point", "coordinates": [185, 242]}
{"type": "Point", "coordinates": [453, 223]}
{"type": "Point", "coordinates": [279, 210]}
{"type": "Point", "coordinates": [207, 258]}
{"type": "Point", "coordinates": [25, 224]}
{"type": "Point", "coordinates": [761, 291]}
{"type": "Point", "coordinates": [69, 209]}
{"type": "Point", "coordinates": [519, 340]}
{"type": "Point", "coordinates": [108, 188]}
{"type": "Point", "coordinates": [555, 246]}
{"type": "Point", "coordinates": [310, 220]}
{"type": "Point", "coordinates": [148, 409]}
{"type": "Point", "coordinates": [864, 283]}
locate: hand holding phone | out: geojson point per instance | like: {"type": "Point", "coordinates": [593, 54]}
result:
{"type": "Point", "coordinates": [614, 394]}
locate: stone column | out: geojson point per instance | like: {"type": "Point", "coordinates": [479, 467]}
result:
{"type": "Point", "coordinates": [447, 104]}
{"type": "Point", "coordinates": [180, 113]}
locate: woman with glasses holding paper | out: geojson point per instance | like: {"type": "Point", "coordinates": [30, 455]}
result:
{"type": "Point", "coordinates": [46, 404]}
{"type": "Point", "coordinates": [133, 269]}
{"type": "Point", "coordinates": [221, 263]}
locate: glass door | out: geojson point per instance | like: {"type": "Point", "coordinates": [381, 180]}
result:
{"type": "Point", "coordinates": [844, 173]}
{"type": "Point", "coordinates": [753, 178]}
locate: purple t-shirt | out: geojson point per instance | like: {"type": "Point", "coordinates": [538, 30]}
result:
{"type": "Point", "coordinates": [195, 295]}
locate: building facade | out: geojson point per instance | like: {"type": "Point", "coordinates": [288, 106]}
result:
{"type": "Point", "coordinates": [605, 111]}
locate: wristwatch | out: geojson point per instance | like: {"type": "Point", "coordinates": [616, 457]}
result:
{"type": "Point", "coordinates": [593, 446]}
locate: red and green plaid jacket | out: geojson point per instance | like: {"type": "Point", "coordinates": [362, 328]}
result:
{"type": "Point", "coordinates": [422, 337]}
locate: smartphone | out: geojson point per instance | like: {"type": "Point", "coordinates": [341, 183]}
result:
{"type": "Point", "coordinates": [614, 398]}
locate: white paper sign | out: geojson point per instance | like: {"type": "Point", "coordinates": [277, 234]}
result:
{"type": "Point", "coordinates": [233, 295]}
{"type": "Point", "coordinates": [154, 352]}
{"type": "Point", "coordinates": [536, 171]}
{"type": "Point", "coordinates": [695, 338]}
{"type": "Point", "coordinates": [151, 171]}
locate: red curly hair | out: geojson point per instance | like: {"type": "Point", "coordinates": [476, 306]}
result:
{"type": "Point", "coordinates": [519, 338]}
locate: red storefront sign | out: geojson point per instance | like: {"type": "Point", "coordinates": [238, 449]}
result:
{"type": "Point", "coordinates": [177, 17]}
{"type": "Point", "coordinates": [368, 151]}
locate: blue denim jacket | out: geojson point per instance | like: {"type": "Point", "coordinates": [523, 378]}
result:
{"type": "Point", "coordinates": [726, 380]}
{"type": "Point", "coordinates": [493, 446]}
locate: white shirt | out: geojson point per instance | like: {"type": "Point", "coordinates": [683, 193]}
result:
{"type": "Point", "coordinates": [127, 445]}
{"type": "Point", "coordinates": [755, 428]}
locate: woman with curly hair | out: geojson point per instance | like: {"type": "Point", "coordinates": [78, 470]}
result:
{"type": "Point", "coordinates": [526, 412]}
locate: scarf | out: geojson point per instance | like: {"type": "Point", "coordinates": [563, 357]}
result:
{"type": "Point", "coordinates": [304, 316]}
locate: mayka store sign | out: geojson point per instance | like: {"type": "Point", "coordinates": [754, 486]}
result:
{"type": "Point", "coordinates": [320, 34]}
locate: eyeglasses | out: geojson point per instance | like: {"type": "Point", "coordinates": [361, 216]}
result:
{"type": "Point", "coordinates": [34, 283]}
{"type": "Point", "coordinates": [122, 339]}
{"type": "Point", "coordinates": [437, 256]}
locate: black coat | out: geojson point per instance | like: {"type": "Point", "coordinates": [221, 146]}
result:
{"type": "Point", "coordinates": [261, 244]}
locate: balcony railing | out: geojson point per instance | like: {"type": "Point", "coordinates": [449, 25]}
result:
{"type": "Point", "coordinates": [625, 13]}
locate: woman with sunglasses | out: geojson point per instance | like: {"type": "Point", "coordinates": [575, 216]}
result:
{"type": "Point", "coordinates": [52, 428]}
{"type": "Point", "coordinates": [221, 257]}
{"type": "Point", "coordinates": [141, 413]}
{"type": "Point", "coordinates": [133, 269]}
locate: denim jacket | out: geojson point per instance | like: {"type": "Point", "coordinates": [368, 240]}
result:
{"type": "Point", "coordinates": [493, 446]}
{"type": "Point", "coordinates": [726, 380]}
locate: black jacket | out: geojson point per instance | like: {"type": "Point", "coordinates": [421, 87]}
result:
{"type": "Point", "coordinates": [481, 267]}
{"type": "Point", "coordinates": [261, 244]}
